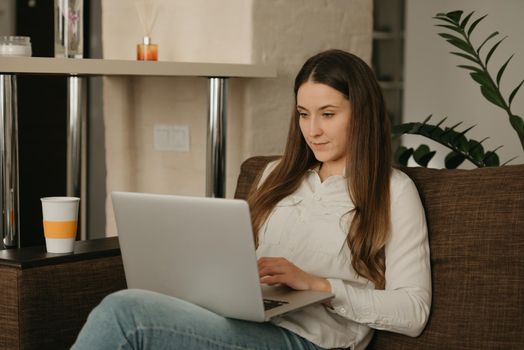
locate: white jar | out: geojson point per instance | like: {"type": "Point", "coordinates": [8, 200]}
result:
{"type": "Point", "coordinates": [15, 46]}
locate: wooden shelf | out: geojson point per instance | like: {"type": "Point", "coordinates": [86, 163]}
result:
{"type": "Point", "coordinates": [94, 67]}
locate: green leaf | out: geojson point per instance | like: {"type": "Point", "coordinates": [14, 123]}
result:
{"type": "Point", "coordinates": [455, 28]}
{"type": "Point", "coordinates": [435, 132]}
{"type": "Point", "coordinates": [492, 96]}
{"type": "Point", "coordinates": [445, 19]}
{"type": "Point", "coordinates": [460, 142]}
{"type": "Point", "coordinates": [424, 160]}
{"type": "Point", "coordinates": [482, 78]}
{"type": "Point", "coordinates": [475, 69]}
{"type": "Point", "coordinates": [461, 44]}
{"type": "Point", "coordinates": [440, 122]}
{"type": "Point", "coordinates": [416, 128]}
{"type": "Point", "coordinates": [452, 128]}
{"type": "Point", "coordinates": [425, 130]}
{"type": "Point", "coordinates": [449, 136]}
{"type": "Point", "coordinates": [402, 155]}
{"type": "Point", "coordinates": [468, 129]}
{"type": "Point", "coordinates": [471, 58]}
{"type": "Point", "coordinates": [496, 149]}
{"type": "Point", "coordinates": [423, 155]}
{"type": "Point", "coordinates": [493, 49]}
{"type": "Point", "coordinates": [455, 15]}
{"type": "Point", "coordinates": [514, 92]}
{"type": "Point", "coordinates": [427, 119]}
{"type": "Point", "coordinates": [491, 159]}
{"type": "Point", "coordinates": [420, 151]}
{"type": "Point", "coordinates": [450, 37]}
{"type": "Point", "coordinates": [474, 24]}
{"type": "Point", "coordinates": [484, 139]}
{"type": "Point", "coordinates": [486, 40]}
{"type": "Point", "coordinates": [400, 129]}
{"type": "Point", "coordinates": [453, 160]}
{"type": "Point", "coordinates": [476, 151]}
{"type": "Point", "coordinates": [465, 20]}
{"type": "Point", "coordinates": [502, 69]}
{"type": "Point", "coordinates": [506, 162]}
{"type": "Point", "coordinates": [518, 124]}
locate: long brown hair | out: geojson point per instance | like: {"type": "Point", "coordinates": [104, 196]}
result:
{"type": "Point", "coordinates": [368, 160]}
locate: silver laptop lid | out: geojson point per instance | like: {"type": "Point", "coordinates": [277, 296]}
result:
{"type": "Point", "coordinates": [214, 266]}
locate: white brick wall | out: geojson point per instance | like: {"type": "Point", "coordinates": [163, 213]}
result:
{"type": "Point", "coordinates": [280, 32]}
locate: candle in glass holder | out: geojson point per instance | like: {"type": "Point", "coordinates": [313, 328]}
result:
{"type": "Point", "coordinates": [15, 46]}
{"type": "Point", "coordinates": [147, 51]}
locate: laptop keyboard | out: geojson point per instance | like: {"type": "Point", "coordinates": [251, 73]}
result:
{"type": "Point", "coordinates": [271, 304]}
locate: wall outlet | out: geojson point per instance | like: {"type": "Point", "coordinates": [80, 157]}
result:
{"type": "Point", "coordinates": [170, 137]}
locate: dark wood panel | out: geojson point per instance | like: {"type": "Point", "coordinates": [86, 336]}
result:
{"type": "Point", "coordinates": [55, 300]}
{"type": "Point", "coordinates": [9, 336]}
{"type": "Point", "coordinates": [46, 298]}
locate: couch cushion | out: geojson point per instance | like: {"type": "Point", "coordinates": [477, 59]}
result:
{"type": "Point", "coordinates": [476, 228]}
{"type": "Point", "coordinates": [249, 170]}
{"type": "Point", "coordinates": [476, 231]}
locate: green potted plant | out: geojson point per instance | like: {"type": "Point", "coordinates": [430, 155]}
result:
{"type": "Point", "coordinates": [461, 148]}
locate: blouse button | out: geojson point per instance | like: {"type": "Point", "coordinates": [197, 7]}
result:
{"type": "Point", "coordinates": [317, 197]}
{"type": "Point", "coordinates": [342, 310]}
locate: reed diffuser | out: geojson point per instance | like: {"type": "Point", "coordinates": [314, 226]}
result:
{"type": "Point", "coordinates": [147, 14]}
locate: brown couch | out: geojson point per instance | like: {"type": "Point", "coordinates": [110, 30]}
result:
{"type": "Point", "coordinates": [476, 228]}
{"type": "Point", "coordinates": [476, 232]}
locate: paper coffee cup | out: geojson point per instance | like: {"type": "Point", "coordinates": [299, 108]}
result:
{"type": "Point", "coordinates": [60, 222]}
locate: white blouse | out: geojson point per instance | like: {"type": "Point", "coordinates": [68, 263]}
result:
{"type": "Point", "coordinates": [309, 229]}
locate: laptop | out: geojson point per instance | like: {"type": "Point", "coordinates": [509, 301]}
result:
{"type": "Point", "coordinates": [200, 250]}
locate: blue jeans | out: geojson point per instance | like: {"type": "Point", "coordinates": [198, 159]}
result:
{"type": "Point", "coordinates": [136, 319]}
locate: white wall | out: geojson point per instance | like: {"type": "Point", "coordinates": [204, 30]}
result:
{"type": "Point", "coordinates": [195, 30]}
{"type": "Point", "coordinates": [278, 32]}
{"type": "Point", "coordinates": [7, 17]}
{"type": "Point", "coordinates": [434, 85]}
{"type": "Point", "coordinates": [286, 33]}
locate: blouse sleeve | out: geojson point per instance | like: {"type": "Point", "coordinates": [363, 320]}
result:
{"type": "Point", "coordinates": [404, 305]}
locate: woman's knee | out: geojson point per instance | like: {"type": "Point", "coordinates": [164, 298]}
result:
{"type": "Point", "coordinates": [119, 304]}
{"type": "Point", "coordinates": [124, 298]}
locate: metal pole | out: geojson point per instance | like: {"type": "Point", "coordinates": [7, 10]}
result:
{"type": "Point", "coordinates": [76, 107]}
{"type": "Point", "coordinates": [9, 162]}
{"type": "Point", "coordinates": [216, 139]}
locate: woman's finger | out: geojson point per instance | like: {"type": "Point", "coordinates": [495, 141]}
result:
{"type": "Point", "coordinates": [271, 280]}
{"type": "Point", "coordinates": [273, 270]}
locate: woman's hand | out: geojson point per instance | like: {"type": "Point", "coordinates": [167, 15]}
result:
{"type": "Point", "coordinates": [279, 270]}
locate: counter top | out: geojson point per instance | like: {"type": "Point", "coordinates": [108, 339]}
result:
{"type": "Point", "coordinates": [38, 256]}
{"type": "Point", "coordinates": [94, 67]}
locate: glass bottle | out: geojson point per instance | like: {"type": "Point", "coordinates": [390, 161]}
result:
{"type": "Point", "coordinates": [69, 33]}
{"type": "Point", "coordinates": [147, 51]}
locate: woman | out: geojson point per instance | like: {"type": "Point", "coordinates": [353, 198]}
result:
{"type": "Point", "coordinates": [330, 215]}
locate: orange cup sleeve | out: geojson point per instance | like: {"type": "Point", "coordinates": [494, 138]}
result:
{"type": "Point", "coordinates": [60, 229]}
